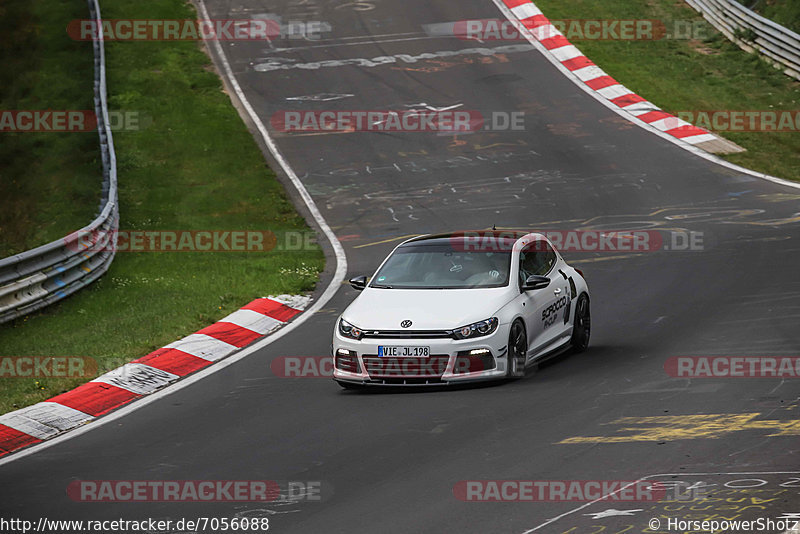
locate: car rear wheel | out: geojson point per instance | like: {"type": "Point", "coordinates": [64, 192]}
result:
{"type": "Point", "coordinates": [517, 350]}
{"type": "Point", "coordinates": [582, 325]}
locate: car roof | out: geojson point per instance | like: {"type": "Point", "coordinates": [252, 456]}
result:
{"type": "Point", "coordinates": [508, 237]}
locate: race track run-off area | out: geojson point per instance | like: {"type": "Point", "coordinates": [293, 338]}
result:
{"type": "Point", "coordinates": [392, 462]}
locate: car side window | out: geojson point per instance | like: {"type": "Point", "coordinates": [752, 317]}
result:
{"type": "Point", "coordinates": [537, 258]}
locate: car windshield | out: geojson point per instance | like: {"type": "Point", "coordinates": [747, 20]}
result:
{"type": "Point", "coordinates": [443, 267]}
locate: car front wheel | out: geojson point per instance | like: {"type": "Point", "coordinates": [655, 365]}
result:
{"type": "Point", "coordinates": [517, 350]}
{"type": "Point", "coordinates": [582, 325]}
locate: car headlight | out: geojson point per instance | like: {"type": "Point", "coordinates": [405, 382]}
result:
{"type": "Point", "coordinates": [479, 329]}
{"type": "Point", "coordinates": [348, 330]}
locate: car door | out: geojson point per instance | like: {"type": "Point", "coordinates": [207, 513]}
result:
{"type": "Point", "coordinates": [547, 307]}
{"type": "Point", "coordinates": [555, 317]}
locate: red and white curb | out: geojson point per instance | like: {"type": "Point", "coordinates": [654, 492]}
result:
{"type": "Point", "coordinates": [597, 80]}
{"type": "Point", "coordinates": [148, 374]}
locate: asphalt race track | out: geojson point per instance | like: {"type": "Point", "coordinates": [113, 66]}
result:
{"type": "Point", "coordinates": [388, 462]}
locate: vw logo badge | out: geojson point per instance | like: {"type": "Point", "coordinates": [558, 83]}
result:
{"type": "Point", "coordinates": [406, 323]}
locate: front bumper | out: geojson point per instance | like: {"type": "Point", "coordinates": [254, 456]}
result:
{"type": "Point", "coordinates": [450, 361]}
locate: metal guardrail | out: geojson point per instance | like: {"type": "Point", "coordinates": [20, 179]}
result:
{"type": "Point", "coordinates": [753, 33]}
{"type": "Point", "coordinates": [38, 277]}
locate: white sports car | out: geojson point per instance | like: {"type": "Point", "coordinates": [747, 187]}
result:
{"type": "Point", "coordinates": [466, 306]}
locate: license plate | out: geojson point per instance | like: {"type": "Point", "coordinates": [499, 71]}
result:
{"type": "Point", "coordinates": [404, 352]}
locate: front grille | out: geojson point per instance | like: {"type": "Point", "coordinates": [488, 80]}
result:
{"type": "Point", "coordinates": [348, 363]}
{"type": "Point", "coordinates": [433, 366]}
{"type": "Point", "coordinates": [408, 334]}
{"type": "Point", "coordinates": [472, 363]}
{"type": "Point", "coordinates": [429, 381]}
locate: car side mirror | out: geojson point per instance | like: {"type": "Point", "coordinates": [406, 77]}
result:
{"type": "Point", "coordinates": [359, 282]}
{"type": "Point", "coordinates": [535, 281]}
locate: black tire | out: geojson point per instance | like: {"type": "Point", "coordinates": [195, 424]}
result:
{"type": "Point", "coordinates": [517, 350]}
{"type": "Point", "coordinates": [582, 325]}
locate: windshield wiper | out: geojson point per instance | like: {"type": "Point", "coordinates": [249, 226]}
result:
{"type": "Point", "coordinates": [379, 286]}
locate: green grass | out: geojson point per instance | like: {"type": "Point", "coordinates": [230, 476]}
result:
{"type": "Point", "coordinates": [194, 166]}
{"type": "Point", "coordinates": [49, 182]}
{"type": "Point", "coordinates": [691, 75]}
{"type": "Point", "coordinates": [784, 12]}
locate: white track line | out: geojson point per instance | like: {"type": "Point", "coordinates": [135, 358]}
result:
{"type": "Point", "coordinates": [621, 112]}
{"type": "Point", "coordinates": [579, 508]}
{"type": "Point", "coordinates": [330, 290]}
